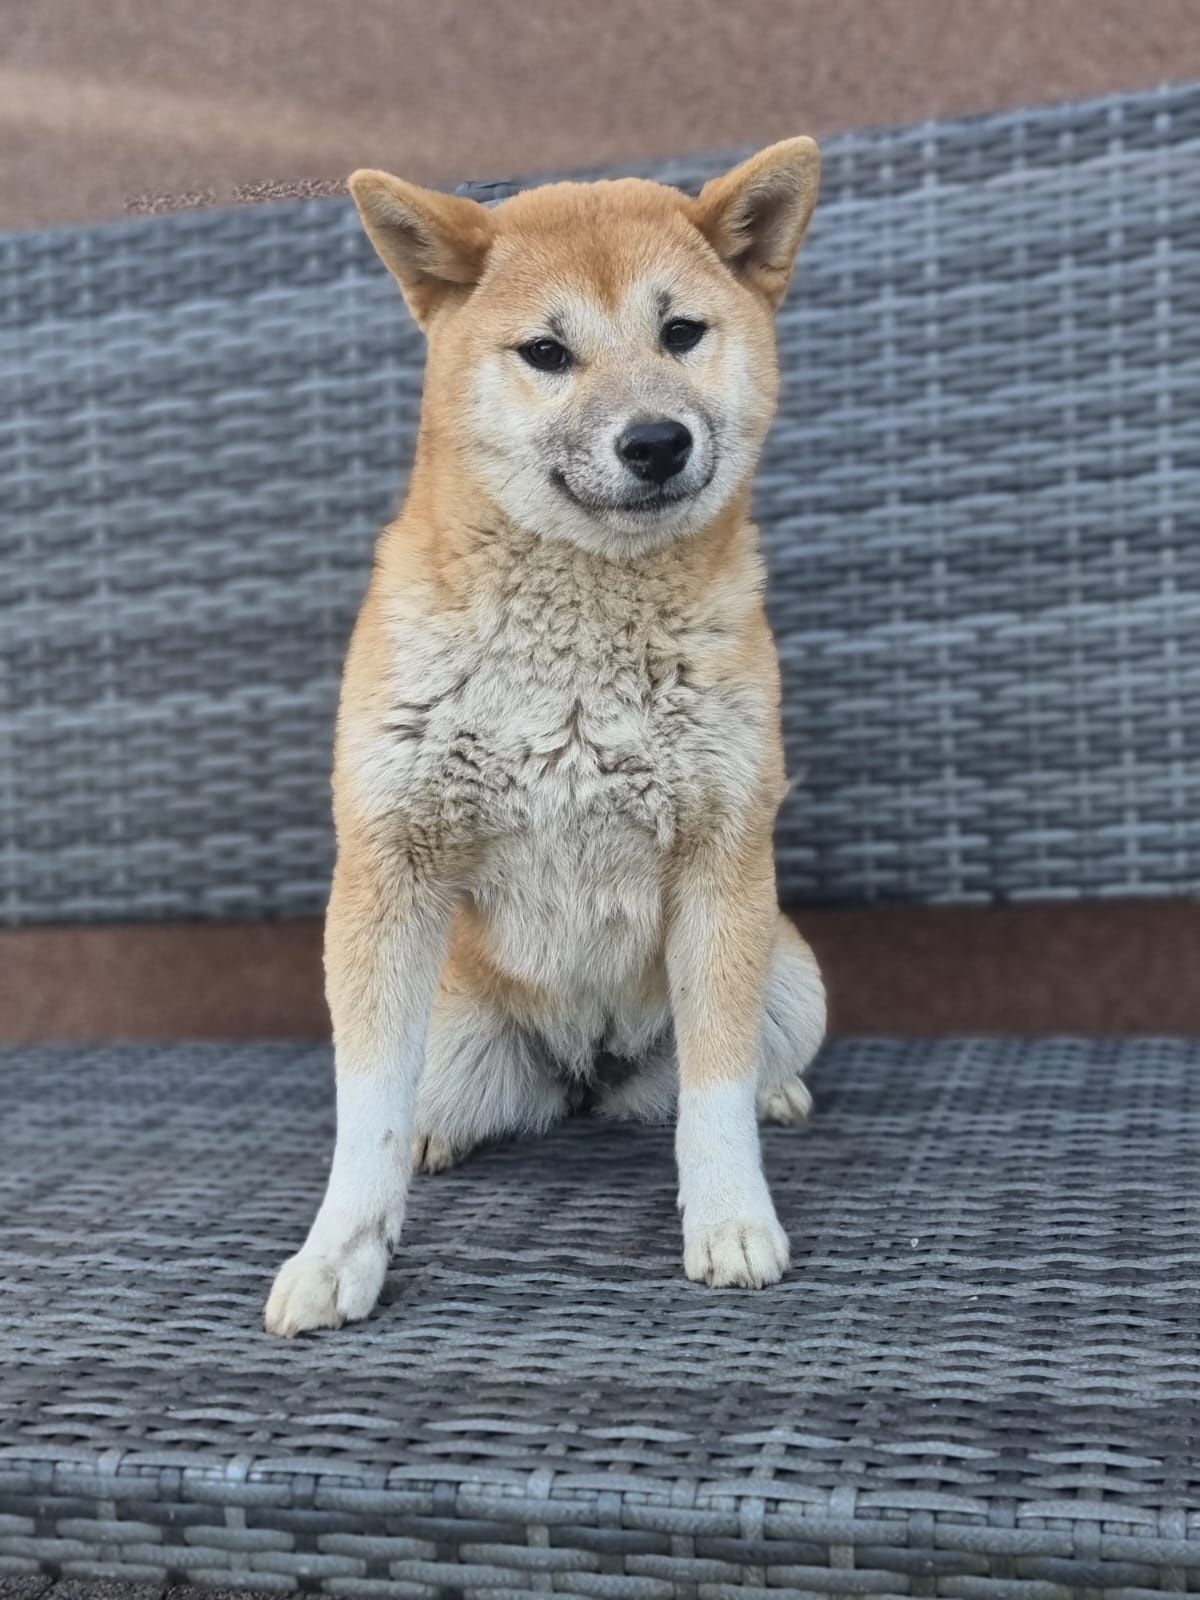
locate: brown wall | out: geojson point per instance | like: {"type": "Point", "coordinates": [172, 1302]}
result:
{"type": "Point", "coordinates": [914, 971]}
{"type": "Point", "coordinates": [100, 103]}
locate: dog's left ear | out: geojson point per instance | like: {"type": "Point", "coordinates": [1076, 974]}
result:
{"type": "Point", "coordinates": [755, 216]}
{"type": "Point", "coordinates": [428, 241]}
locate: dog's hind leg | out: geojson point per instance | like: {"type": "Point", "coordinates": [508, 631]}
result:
{"type": "Point", "coordinates": [485, 1077]}
{"type": "Point", "coordinates": [793, 1028]}
{"type": "Point", "coordinates": [650, 1091]}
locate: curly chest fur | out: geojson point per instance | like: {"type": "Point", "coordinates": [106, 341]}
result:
{"type": "Point", "coordinates": [576, 726]}
{"type": "Point", "coordinates": [577, 695]}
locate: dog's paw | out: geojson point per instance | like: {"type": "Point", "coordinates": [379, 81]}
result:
{"type": "Point", "coordinates": [317, 1290]}
{"type": "Point", "coordinates": [789, 1102]}
{"type": "Point", "coordinates": [736, 1255]}
{"type": "Point", "coordinates": [431, 1154]}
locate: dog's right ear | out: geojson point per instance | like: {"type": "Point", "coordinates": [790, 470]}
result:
{"type": "Point", "coordinates": [428, 241]}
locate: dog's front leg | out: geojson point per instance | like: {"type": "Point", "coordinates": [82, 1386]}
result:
{"type": "Point", "coordinates": [722, 920]}
{"type": "Point", "coordinates": [385, 947]}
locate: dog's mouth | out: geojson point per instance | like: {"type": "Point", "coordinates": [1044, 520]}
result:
{"type": "Point", "coordinates": [649, 505]}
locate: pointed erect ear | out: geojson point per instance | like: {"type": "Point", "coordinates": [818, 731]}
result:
{"type": "Point", "coordinates": [755, 216]}
{"type": "Point", "coordinates": [428, 241]}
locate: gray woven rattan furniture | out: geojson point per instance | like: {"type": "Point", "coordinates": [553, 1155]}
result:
{"type": "Point", "coordinates": [982, 1377]}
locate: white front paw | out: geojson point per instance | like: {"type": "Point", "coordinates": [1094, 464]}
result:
{"type": "Point", "coordinates": [320, 1289]}
{"type": "Point", "coordinates": [741, 1254]}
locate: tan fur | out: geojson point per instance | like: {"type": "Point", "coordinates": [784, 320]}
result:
{"type": "Point", "coordinates": [558, 754]}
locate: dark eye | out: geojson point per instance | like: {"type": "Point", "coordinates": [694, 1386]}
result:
{"type": "Point", "coordinates": [547, 355]}
{"type": "Point", "coordinates": [681, 334]}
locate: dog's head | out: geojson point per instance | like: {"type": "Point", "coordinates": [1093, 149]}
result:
{"type": "Point", "coordinates": [601, 356]}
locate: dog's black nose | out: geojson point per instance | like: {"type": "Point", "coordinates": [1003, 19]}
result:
{"type": "Point", "coordinates": [656, 449]}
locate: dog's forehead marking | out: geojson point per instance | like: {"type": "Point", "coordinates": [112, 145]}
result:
{"type": "Point", "coordinates": [597, 239]}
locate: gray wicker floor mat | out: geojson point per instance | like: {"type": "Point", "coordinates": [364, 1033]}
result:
{"type": "Point", "coordinates": [981, 1377]}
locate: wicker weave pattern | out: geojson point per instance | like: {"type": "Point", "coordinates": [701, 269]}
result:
{"type": "Point", "coordinates": [981, 1379]}
{"type": "Point", "coordinates": [977, 501]}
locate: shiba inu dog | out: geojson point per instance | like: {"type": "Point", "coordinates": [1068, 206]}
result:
{"type": "Point", "coordinates": [558, 756]}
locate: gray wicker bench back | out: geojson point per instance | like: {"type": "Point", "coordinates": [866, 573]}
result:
{"type": "Point", "coordinates": [980, 501]}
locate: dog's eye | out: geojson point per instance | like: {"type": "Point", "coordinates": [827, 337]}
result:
{"type": "Point", "coordinates": [547, 355]}
{"type": "Point", "coordinates": [681, 334]}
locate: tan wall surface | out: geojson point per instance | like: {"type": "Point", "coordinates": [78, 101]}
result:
{"type": "Point", "coordinates": [105, 100]}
